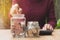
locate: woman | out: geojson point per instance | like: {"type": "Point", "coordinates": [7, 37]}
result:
{"type": "Point", "coordinates": [37, 10]}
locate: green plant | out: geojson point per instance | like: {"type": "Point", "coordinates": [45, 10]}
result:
{"type": "Point", "coordinates": [58, 24]}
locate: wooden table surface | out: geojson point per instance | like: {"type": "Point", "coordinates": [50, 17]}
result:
{"type": "Point", "coordinates": [5, 34]}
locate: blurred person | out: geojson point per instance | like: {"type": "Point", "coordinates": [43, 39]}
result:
{"type": "Point", "coordinates": [36, 10]}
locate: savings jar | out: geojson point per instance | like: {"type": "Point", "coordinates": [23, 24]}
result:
{"type": "Point", "coordinates": [18, 24]}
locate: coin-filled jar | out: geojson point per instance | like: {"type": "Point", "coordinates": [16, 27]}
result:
{"type": "Point", "coordinates": [18, 23]}
{"type": "Point", "coordinates": [33, 29]}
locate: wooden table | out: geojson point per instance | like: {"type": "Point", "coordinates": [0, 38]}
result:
{"type": "Point", "coordinates": [5, 34]}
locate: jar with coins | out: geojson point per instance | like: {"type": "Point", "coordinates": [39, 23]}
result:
{"type": "Point", "coordinates": [33, 29]}
{"type": "Point", "coordinates": [18, 24]}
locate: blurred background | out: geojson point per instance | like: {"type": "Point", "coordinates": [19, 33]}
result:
{"type": "Point", "coordinates": [5, 6]}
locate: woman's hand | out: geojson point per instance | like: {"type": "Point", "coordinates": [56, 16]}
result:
{"type": "Point", "coordinates": [15, 10]}
{"type": "Point", "coordinates": [47, 27]}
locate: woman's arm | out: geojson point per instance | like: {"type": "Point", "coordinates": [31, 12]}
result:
{"type": "Point", "coordinates": [51, 14]}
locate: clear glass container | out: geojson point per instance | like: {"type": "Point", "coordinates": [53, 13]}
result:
{"type": "Point", "coordinates": [33, 29]}
{"type": "Point", "coordinates": [18, 24]}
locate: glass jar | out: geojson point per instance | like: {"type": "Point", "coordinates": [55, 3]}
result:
{"type": "Point", "coordinates": [18, 24]}
{"type": "Point", "coordinates": [33, 29]}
